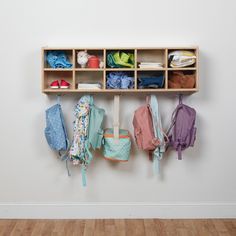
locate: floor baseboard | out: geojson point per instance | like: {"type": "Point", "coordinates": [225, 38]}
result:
{"type": "Point", "coordinates": [116, 210]}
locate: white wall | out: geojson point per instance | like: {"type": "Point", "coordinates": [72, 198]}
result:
{"type": "Point", "coordinates": [31, 175]}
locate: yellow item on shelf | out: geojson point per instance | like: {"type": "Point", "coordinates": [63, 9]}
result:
{"type": "Point", "coordinates": [181, 58]}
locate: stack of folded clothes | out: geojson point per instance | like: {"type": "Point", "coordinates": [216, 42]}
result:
{"type": "Point", "coordinates": [178, 79]}
{"type": "Point", "coordinates": [151, 81]}
{"type": "Point", "coordinates": [120, 59]}
{"type": "Point", "coordinates": [58, 59]}
{"type": "Point", "coordinates": [89, 86]}
{"type": "Point", "coordinates": [119, 80]}
{"type": "Point", "coordinates": [181, 58]}
{"type": "Point", "coordinates": [150, 65]}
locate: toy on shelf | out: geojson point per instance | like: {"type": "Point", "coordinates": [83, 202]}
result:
{"type": "Point", "coordinates": [82, 58]}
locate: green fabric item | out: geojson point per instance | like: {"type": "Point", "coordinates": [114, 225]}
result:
{"type": "Point", "coordinates": [111, 61]}
{"type": "Point", "coordinates": [131, 58]}
{"type": "Point", "coordinates": [95, 131]}
{"type": "Point", "coordinates": [122, 59]}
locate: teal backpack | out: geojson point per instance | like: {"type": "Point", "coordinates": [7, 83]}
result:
{"type": "Point", "coordinates": [95, 131]}
{"type": "Point", "coordinates": [88, 133]}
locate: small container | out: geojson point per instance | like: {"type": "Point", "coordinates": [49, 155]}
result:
{"type": "Point", "coordinates": [93, 62]}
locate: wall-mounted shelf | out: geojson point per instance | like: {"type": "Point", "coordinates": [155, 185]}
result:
{"type": "Point", "coordinates": [76, 74]}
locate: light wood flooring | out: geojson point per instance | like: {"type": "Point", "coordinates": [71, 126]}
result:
{"type": "Point", "coordinates": [118, 227]}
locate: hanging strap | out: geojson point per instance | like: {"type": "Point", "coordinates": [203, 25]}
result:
{"type": "Point", "coordinates": [91, 102]}
{"type": "Point", "coordinates": [179, 152]}
{"type": "Point", "coordinates": [58, 99]}
{"type": "Point", "coordinates": [180, 98]}
{"type": "Point", "coordinates": [148, 100]}
{"type": "Point", "coordinates": [65, 157]}
{"type": "Point", "coordinates": [84, 176]}
{"type": "Point", "coordinates": [173, 117]}
{"type": "Point", "coordinates": [116, 117]}
{"type": "Point", "coordinates": [157, 128]}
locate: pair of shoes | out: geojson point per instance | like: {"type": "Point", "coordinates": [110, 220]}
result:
{"type": "Point", "coordinates": [55, 84]}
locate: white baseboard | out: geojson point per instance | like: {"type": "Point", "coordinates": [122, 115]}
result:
{"type": "Point", "coordinates": [116, 210]}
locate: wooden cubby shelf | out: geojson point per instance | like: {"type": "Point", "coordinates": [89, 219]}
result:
{"type": "Point", "coordinates": [76, 74]}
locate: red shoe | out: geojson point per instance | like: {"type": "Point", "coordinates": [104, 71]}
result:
{"type": "Point", "coordinates": [55, 84]}
{"type": "Point", "coordinates": [64, 84]}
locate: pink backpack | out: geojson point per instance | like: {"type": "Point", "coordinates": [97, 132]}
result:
{"type": "Point", "coordinates": [143, 128]}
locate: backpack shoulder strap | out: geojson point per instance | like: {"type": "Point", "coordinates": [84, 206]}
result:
{"type": "Point", "coordinates": [158, 132]}
{"type": "Point", "coordinates": [116, 116]}
{"type": "Point", "coordinates": [65, 155]}
{"type": "Point", "coordinates": [174, 114]}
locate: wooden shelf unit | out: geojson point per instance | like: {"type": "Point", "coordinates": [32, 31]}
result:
{"type": "Point", "coordinates": [76, 74]}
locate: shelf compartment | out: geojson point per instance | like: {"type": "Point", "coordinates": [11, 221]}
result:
{"type": "Point", "coordinates": [120, 81]}
{"type": "Point", "coordinates": [151, 80]}
{"type": "Point", "coordinates": [151, 55]}
{"type": "Point", "coordinates": [182, 79]}
{"type": "Point", "coordinates": [192, 66]}
{"type": "Point", "coordinates": [50, 76]}
{"type": "Point", "coordinates": [90, 77]}
{"type": "Point", "coordinates": [127, 51]}
{"type": "Point", "coordinates": [92, 52]}
{"type": "Point", "coordinates": [69, 54]}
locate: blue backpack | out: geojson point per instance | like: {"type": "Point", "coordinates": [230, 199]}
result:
{"type": "Point", "coordinates": [55, 131]}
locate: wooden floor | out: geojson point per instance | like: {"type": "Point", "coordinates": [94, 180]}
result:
{"type": "Point", "coordinates": [118, 227]}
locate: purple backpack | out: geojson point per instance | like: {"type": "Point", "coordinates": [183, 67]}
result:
{"type": "Point", "coordinates": [182, 132]}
